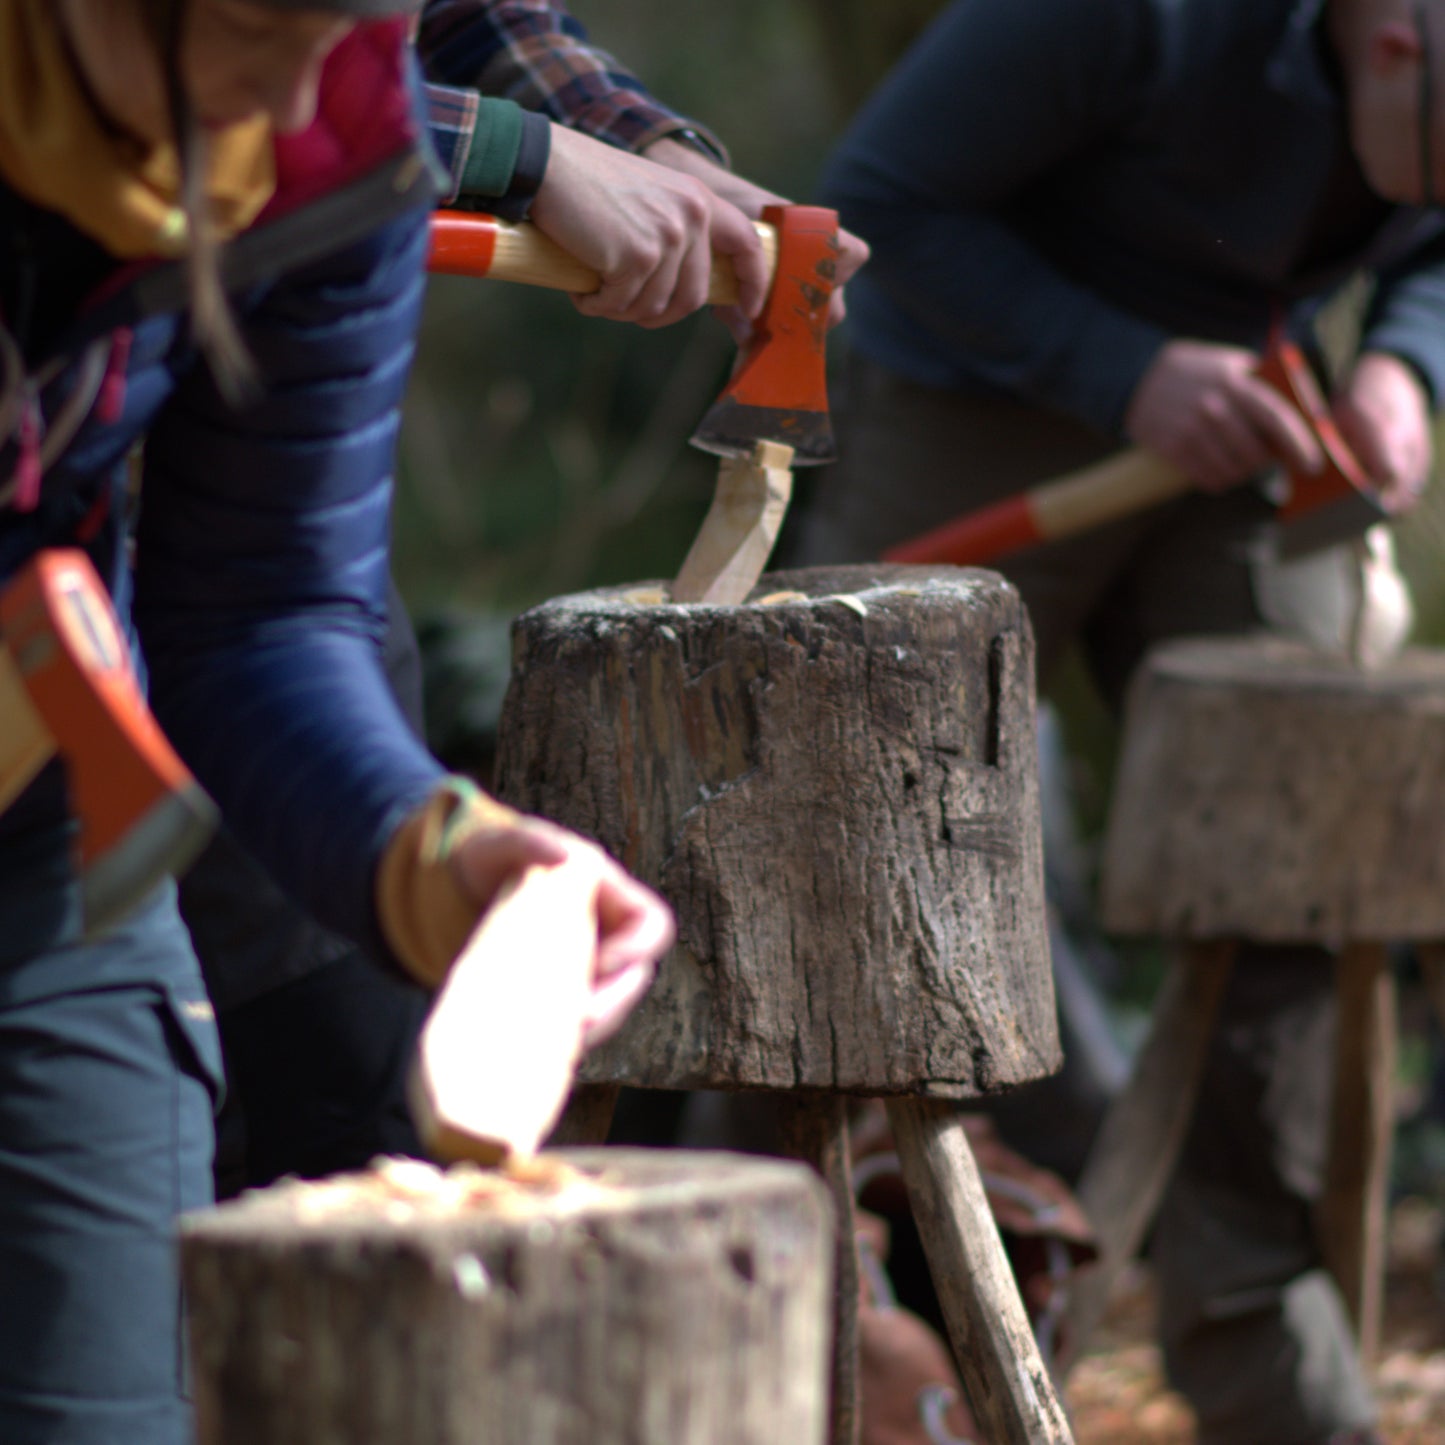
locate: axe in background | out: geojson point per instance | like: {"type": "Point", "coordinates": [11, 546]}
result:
{"type": "Point", "coordinates": [1335, 504]}
{"type": "Point", "coordinates": [773, 413]}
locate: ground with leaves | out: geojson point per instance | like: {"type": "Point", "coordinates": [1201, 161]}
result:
{"type": "Point", "coordinates": [1117, 1394]}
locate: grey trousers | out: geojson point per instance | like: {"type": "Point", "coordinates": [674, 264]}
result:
{"type": "Point", "coordinates": [1254, 1331]}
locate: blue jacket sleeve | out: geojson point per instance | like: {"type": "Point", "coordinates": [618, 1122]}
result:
{"type": "Point", "coordinates": [1407, 315]}
{"type": "Point", "coordinates": [991, 98]}
{"type": "Point", "coordinates": [261, 571]}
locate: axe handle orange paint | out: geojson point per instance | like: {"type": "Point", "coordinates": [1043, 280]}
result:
{"type": "Point", "coordinates": [469, 243]}
{"type": "Point", "coordinates": [1126, 482]}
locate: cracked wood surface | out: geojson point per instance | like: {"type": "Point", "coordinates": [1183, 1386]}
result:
{"type": "Point", "coordinates": [837, 792]}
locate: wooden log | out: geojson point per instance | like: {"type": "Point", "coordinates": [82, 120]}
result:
{"type": "Point", "coordinates": [642, 1298]}
{"type": "Point", "coordinates": [1267, 791]}
{"type": "Point", "coordinates": [837, 792]}
{"type": "Point", "coordinates": [1353, 1213]}
{"type": "Point", "coordinates": [1133, 1157]}
{"type": "Point", "coordinates": [993, 1345]}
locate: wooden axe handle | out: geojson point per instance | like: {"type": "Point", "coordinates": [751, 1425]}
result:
{"type": "Point", "coordinates": [1120, 485]}
{"type": "Point", "coordinates": [468, 243]}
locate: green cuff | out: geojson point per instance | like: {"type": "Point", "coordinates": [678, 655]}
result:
{"type": "Point", "coordinates": [496, 142]}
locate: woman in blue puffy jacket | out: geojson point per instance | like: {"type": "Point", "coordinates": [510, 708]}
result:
{"type": "Point", "coordinates": [244, 300]}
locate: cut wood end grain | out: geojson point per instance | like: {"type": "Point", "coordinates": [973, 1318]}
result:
{"type": "Point", "coordinates": [399, 1190]}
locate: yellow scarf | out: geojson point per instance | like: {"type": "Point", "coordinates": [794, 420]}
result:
{"type": "Point", "coordinates": [55, 151]}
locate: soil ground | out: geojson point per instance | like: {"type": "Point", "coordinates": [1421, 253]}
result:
{"type": "Point", "coordinates": [1117, 1394]}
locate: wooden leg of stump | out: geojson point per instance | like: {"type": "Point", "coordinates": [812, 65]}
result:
{"type": "Point", "coordinates": [587, 1117]}
{"type": "Point", "coordinates": [1352, 1214]}
{"type": "Point", "coordinates": [814, 1127]}
{"type": "Point", "coordinates": [1132, 1159]}
{"type": "Point", "coordinates": [1008, 1385]}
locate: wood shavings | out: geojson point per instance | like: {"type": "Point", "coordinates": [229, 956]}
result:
{"type": "Point", "coordinates": [774, 598]}
{"type": "Point", "coordinates": [848, 600]}
{"type": "Point", "coordinates": [400, 1190]}
{"type": "Point", "coordinates": [646, 597]}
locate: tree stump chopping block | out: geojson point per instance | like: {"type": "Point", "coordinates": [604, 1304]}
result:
{"type": "Point", "coordinates": [835, 786]}
{"type": "Point", "coordinates": [837, 793]}
{"type": "Point", "coordinates": [1271, 793]}
{"type": "Point", "coordinates": [652, 1298]}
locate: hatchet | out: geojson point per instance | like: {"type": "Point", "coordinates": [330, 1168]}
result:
{"type": "Point", "coordinates": [1330, 506]}
{"type": "Point", "coordinates": [67, 687]}
{"type": "Point", "coordinates": [773, 413]}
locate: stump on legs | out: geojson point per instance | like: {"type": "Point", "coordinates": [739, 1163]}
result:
{"type": "Point", "coordinates": [657, 1298]}
{"type": "Point", "coordinates": [835, 785]}
{"type": "Point", "coordinates": [1268, 792]}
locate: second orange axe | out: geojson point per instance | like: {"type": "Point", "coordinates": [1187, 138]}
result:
{"type": "Point", "coordinates": [1334, 504]}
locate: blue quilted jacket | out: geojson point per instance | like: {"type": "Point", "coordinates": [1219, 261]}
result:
{"type": "Point", "coordinates": [260, 551]}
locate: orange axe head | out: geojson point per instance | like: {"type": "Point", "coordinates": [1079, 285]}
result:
{"type": "Point", "coordinates": [1339, 501]}
{"type": "Point", "coordinates": [779, 390]}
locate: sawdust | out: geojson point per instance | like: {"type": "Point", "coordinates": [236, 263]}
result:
{"type": "Point", "coordinates": [400, 1190]}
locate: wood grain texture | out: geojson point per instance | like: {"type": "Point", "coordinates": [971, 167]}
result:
{"type": "Point", "coordinates": [736, 538]}
{"type": "Point", "coordinates": [1267, 791]}
{"type": "Point", "coordinates": [838, 795]}
{"type": "Point", "coordinates": [684, 1302]}
{"type": "Point", "coordinates": [993, 1344]}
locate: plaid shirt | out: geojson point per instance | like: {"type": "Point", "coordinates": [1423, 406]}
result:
{"type": "Point", "coordinates": [535, 53]}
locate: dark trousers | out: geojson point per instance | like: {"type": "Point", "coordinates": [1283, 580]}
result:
{"type": "Point", "coordinates": [1254, 1331]}
{"type": "Point", "coordinates": [109, 1072]}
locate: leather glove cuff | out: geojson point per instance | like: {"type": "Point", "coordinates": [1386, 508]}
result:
{"type": "Point", "coordinates": [426, 916]}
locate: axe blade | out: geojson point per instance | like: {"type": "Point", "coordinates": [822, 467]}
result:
{"type": "Point", "coordinates": [1338, 502]}
{"type": "Point", "coordinates": [779, 390]}
{"type": "Point", "coordinates": [1326, 523]}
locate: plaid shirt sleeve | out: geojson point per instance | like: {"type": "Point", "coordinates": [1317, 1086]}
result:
{"type": "Point", "coordinates": [536, 53]}
{"type": "Point", "coordinates": [452, 122]}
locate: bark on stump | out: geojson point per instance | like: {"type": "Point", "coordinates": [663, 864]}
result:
{"type": "Point", "coordinates": [1272, 793]}
{"type": "Point", "coordinates": [666, 1299]}
{"type": "Point", "coordinates": [838, 795]}
{"type": "Point", "coordinates": [835, 786]}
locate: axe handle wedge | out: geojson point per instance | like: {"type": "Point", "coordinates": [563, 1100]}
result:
{"type": "Point", "coordinates": [467, 243]}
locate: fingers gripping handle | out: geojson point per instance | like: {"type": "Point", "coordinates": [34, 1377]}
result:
{"type": "Point", "coordinates": [466, 243]}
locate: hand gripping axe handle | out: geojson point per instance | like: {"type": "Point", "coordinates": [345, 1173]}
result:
{"type": "Point", "coordinates": [67, 686]}
{"type": "Point", "coordinates": [1329, 506]}
{"type": "Point", "coordinates": [778, 391]}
